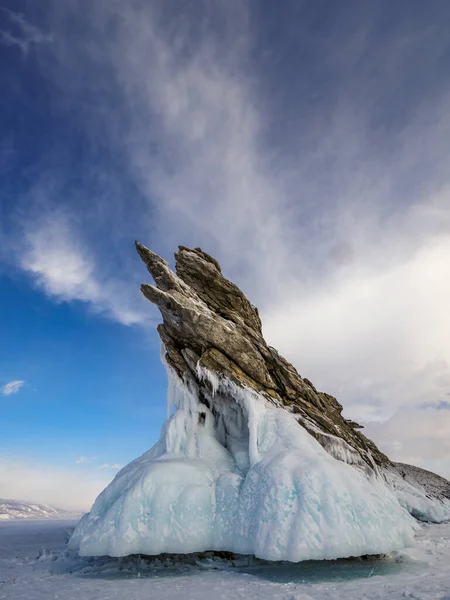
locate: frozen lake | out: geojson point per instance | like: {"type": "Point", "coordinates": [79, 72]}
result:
{"type": "Point", "coordinates": [422, 572]}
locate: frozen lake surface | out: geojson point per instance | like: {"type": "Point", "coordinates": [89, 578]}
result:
{"type": "Point", "coordinates": [34, 565]}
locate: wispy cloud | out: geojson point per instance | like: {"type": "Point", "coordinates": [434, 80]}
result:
{"type": "Point", "coordinates": [62, 267]}
{"type": "Point", "coordinates": [114, 466]}
{"type": "Point", "coordinates": [86, 460]}
{"type": "Point", "coordinates": [183, 112]}
{"type": "Point", "coordinates": [341, 235]}
{"type": "Point", "coordinates": [12, 387]}
{"type": "Point", "coordinates": [81, 460]}
{"type": "Point", "coordinates": [322, 186]}
{"type": "Point", "coordinates": [22, 34]}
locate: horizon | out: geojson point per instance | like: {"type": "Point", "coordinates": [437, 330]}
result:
{"type": "Point", "coordinates": [303, 146]}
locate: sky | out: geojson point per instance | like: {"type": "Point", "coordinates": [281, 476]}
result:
{"type": "Point", "coordinates": [304, 144]}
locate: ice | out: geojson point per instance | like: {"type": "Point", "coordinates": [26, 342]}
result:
{"type": "Point", "coordinates": [235, 473]}
{"type": "Point", "coordinates": [341, 450]}
{"type": "Point", "coordinates": [416, 501]}
{"type": "Point", "coordinates": [34, 565]}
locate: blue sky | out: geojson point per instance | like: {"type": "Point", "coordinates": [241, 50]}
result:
{"type": "Point", "coordinates": [304, 144]}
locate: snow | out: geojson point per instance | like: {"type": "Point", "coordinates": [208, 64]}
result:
{"type": "Point", "coordinates": [239, 474]}
{"type": "Point", "coordinates": [15, 509]}
{"type": "Point", "coordinates": [416, 500]}
{"type": "Point", "coordinates": [34, 565]}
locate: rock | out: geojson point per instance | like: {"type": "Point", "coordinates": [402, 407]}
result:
{"type": "Point", "coordinates": [209, 322]}
{"type": "Point", "coordinates": [434, 485]}
{"type": "Point", "coordinates": [354, 424]}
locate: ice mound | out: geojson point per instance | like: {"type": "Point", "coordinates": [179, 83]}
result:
{"type": "Point", "coordinates": [232, 472]}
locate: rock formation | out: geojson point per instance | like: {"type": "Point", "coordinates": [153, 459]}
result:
{"type": "Point", "coordinates": [208, 322]}
{"type": "Point", "coordinates": [252, 459]}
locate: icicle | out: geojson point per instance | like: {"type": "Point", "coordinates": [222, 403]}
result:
{"type": "Point", "coordinates": [213, 379]}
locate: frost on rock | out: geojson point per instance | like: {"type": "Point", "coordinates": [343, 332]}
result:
{"type": "Point", "coordinates": [234, 473]}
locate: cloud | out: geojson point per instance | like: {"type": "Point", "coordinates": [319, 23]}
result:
{"type": "Point", "coordinates": [12, 387]}
{"type": "Point", "coordinates": [195, 104]}
{"type": "Point", "coordinates": [62, 487]}
{"type": "Point", "coordinates": [182, 112]}
{"type": "Point", "coordinates": [418, 437]}
{"type": "Point", "coordinates": [321, 185]}
{"type": "Point", "coordinates": [377, 337]}
{"type": "Point", "coordinates": [187, 108]}
{"type": "Point", "coordinates": [63, 268]}
{"type": "Point", "coordinates": [85, 459]}
{"type": "Point", "coordinates": [114, 467]}
{"type": "Point", "coordinates": [26, 34]}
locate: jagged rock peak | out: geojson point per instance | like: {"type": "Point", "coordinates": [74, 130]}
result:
{"type": "Point", "coordinates": [209, 322]}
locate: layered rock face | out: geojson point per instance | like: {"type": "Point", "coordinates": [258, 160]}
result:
{"type": "Point", "coordinates": [209, 323]}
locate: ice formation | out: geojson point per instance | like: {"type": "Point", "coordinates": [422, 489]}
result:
{"type": "Point", "coordinates": [252, 458]}
{"type": "Point", "coordinates": [232, 472]}
{"type": "Point", "coordinates": [415, 499]}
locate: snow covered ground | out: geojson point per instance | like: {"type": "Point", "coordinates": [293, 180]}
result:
{"type": "Point", "coordinates": [422, 572]}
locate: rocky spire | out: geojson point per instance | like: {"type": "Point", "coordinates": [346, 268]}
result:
{"type": "Point", "coordinates": [209, 322]}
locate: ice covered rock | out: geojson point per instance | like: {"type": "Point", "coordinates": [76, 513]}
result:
{"type": "Point", "coordinates": [252, 458]}
{"type": "Point", "coordinates": [236, 473]}
{"type": "Point", "coordinates": [208, 321]}
{"type": "Point", "coordinates": [424, 494]}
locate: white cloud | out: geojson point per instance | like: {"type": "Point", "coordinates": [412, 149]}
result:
{"type": "Point", "coordinates": [62, 487]}
{"type": "Point", "coordinates": [26, 34]}
{"type": "Point", "coordinates": [85, 459]}
{"type": "Point", "coordinates": [378, 338]}
{"type": "Point", "coordinates": [62, 267]}
{"type": "Point", "coordinates": [12, 387]}
{"type": "Point", "coordinates": [417, 437]}
{"type": "Point", "coordinates": [114, 466]}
